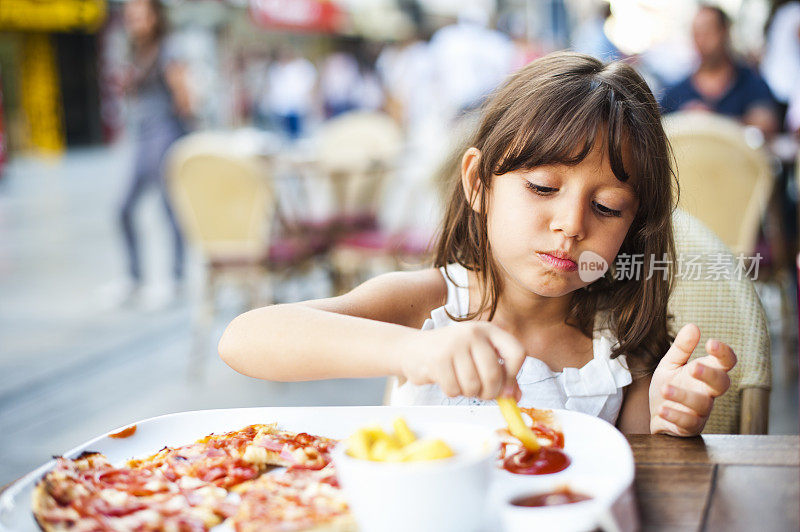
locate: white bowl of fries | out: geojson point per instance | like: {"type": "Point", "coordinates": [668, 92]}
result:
{"type": "Point", "coordinates": [418, 487]}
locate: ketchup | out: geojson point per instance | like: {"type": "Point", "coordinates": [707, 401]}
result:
{"type": "Point", "coordinates": [560, 496]}
{"type": "Point", "coordinates": [543, 461]}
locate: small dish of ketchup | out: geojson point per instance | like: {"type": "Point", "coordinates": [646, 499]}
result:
{"type": "Point", "coordinates": [565, 506]}
{"type": "Point", "coordinates": [562, 495]}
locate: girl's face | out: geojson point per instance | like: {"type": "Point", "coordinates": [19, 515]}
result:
{"type": "Point", "coordinates": [541, 220]}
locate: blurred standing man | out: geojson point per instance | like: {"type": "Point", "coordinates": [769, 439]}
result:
{"type": "Point", "coordinates": [469, 58]}
{"type": "Point", "coordinates": [292, 82]}
{"type": "Point", "coordinates": [157, 85]}
{"type": "Point", "coordinates": [781, 63]}
{"type": "Point", "coordinates": [721, 84]}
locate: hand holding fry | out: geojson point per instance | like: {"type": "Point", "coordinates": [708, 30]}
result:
{"type": "Point", "coordinates": [473, 359]}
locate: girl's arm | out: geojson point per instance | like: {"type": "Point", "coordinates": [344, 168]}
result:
{"type": "Point", "coordinates": [374, 331]}
{"type": "Point", "coordinates": [634, 416]}
{"type": "Point", "coordinates": [177, 78]}
{"type": "Point", "coordinates": [359, 334]}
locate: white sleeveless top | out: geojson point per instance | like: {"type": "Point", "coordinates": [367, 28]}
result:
{"type": "Point", "coordinates": [594, 389]}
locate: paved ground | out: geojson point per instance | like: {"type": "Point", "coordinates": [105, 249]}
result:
{"type": "Point", "coordinates": [73, 366]}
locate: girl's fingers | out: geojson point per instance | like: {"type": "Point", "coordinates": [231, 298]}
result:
{"type": "Point", "coordinates": [447, 378]}
{"type": "Point", "coordinates": [509, 349]}
{"type": "Point", "coordinates": [689, 423]}
{"type": "Point", "coordinates": [722, 353]}
{"type": "Point", "coordinates": [697, 402]}
{"type": "Point", "coordinates": [716, 379]}
{"type": "Point", "coordinates": [490, 371]}
{"type": "Point", "coordinates": [685, 342]}
{"type": "Point", "coordinates": [467, 375]}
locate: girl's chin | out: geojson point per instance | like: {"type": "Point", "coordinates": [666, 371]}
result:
{"type": "Point", "coordinates": [547, 283]}
{"type": "Point", "coordinates": [553, 289]}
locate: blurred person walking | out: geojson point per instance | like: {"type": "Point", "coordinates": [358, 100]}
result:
{"type": "Point", "coordinates": [590, 37]}
{"type": "Point", "coordinates": [290, 95]}
{"type": "Point", "coordinates": [469, 58]}
{"type": "Point", "coordinates": [157, 85]}
{"type": "Point", "coordinates": [780, 65]}
{"type": "Point", "coordinates": [339, 83]}
{"type": "Point", "coordinates": [721, 83]}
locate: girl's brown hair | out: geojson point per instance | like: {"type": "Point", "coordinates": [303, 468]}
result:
{"type": "Point", "coordinates": [553, 111]}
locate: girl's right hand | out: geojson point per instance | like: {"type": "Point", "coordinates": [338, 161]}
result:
{"type": "Point", "coordinates": [473, 359]}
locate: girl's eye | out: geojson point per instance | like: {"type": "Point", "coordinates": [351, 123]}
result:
{"type": "Point", "coordinates": [538, 189]}
{"type": "Point", "coordinates": [546, 191]}
{"type": "Point", "coordinates": [605, 211]}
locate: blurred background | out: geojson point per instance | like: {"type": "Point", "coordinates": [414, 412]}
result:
{"type": "Point", "coordinates": [166, 166]}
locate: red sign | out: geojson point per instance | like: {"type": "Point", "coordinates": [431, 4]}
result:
{"type": "Point", "coordinates": [303, 15]}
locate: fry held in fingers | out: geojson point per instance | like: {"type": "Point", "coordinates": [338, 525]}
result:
{"type": "Point", "coordinates": [516, 425]}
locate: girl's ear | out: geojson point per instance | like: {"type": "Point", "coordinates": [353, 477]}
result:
{"type": "Point", "coordinates": [473, 188]}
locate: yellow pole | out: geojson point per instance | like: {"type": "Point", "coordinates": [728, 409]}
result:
{"type": "Point", "coordinates": [41, 94]}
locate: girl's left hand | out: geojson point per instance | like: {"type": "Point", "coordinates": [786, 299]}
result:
{"type": "Point", "coordinates": [681, 393]}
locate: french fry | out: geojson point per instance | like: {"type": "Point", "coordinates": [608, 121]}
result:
{"type": "Point", "coordinates": [402, 432]}
{"type": "Point", "coordinates": [359, 444]}
{"type": "Point", "coordinates": [382, 449]}
{"type": "Point", "coordinates": [376, 433]}
{"type": "Point", "coordinates": [426, 450]}
{"type": "Point", "coordinates": [374, 443]}
{"type": "Point", "coordinates": [516, 425]}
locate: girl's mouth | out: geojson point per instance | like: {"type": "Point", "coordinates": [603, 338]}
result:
{"type": "Point", "coordinates": [557, 263]}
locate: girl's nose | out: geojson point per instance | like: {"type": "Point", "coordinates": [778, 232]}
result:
{"type": "Point", "coordinates": [568, 219]}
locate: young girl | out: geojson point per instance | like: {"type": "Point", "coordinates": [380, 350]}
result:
{"type": "Point", "coordinates": [569, 158]}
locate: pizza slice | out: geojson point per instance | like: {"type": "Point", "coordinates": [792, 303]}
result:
{"type": "Point", "coordinates": [290, 449]}
{"type": "Point", "coordinates": [231, 458]}
{"type": "Point", "coordinates": [293, 501]}
{"type": "Point", "coordinates": [90, 494]}
{"type": "Point", "coordinates": [220, 459]}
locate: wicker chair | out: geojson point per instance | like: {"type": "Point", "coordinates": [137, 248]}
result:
{"type": "Point", "coordinates": [727, 309]}
{"type": "Point", "coordinates": [725, 181]}
{"type": "Point", "coordinates": [225, 204]}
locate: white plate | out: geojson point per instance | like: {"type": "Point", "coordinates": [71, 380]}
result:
{"type": "Point", "coordinates": [596, 448]}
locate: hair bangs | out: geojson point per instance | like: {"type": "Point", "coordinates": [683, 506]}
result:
{"type": "Point", "coordinates": [568, 134]}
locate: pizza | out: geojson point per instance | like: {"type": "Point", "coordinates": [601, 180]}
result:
{"type": "Point", "coordinates": [199, 485]}
{"type": "Point", "coordinates": [88, 493]}
{"type": "Point", "coordinates": [297, 499]}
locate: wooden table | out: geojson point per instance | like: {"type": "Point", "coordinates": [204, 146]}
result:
{"type": "Point", "coordinates": [716, 482]}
